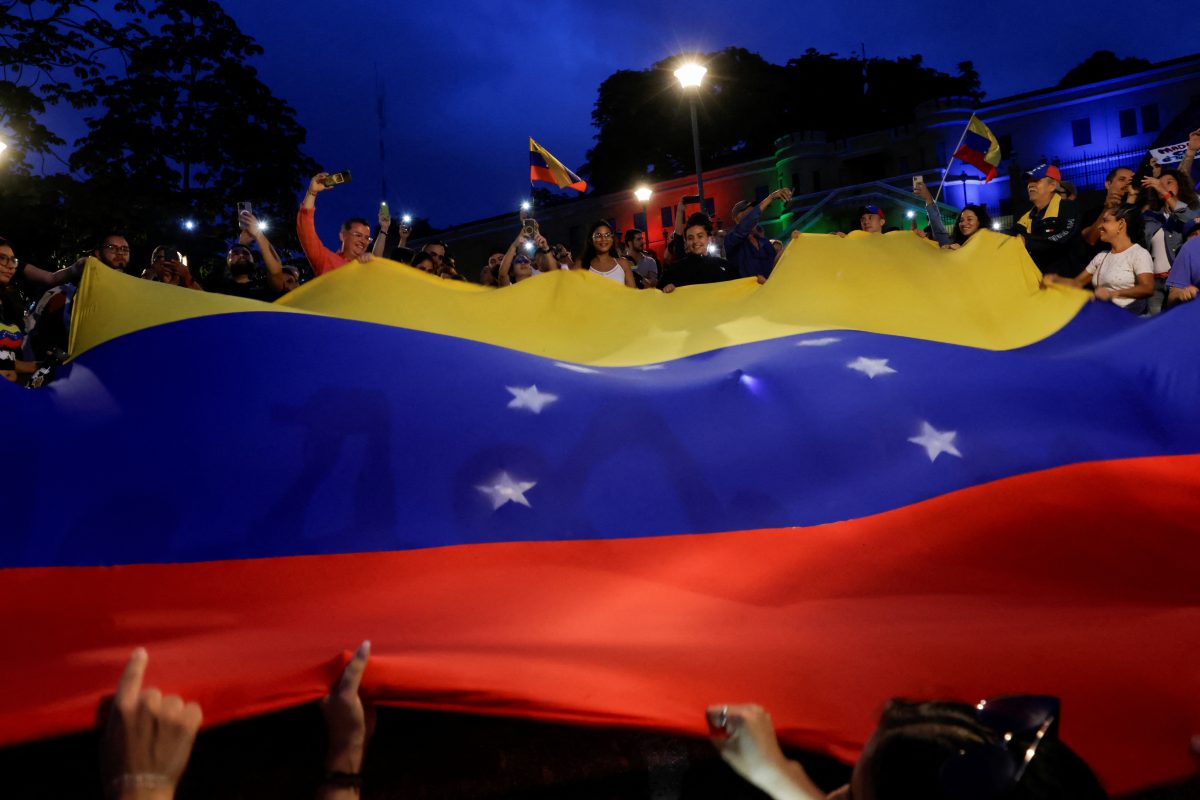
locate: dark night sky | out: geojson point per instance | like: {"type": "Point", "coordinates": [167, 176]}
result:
{"type": "Point", "coordinates": [466, 83]}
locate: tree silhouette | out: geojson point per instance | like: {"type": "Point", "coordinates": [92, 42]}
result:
{"type": "Point", "coordinates": [1100, 66]}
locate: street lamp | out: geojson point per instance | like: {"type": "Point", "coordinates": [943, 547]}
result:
{"type": "Point", "coordinates": [691, 75]}
{"type": "Point", "coordinates": [642, 194]}
{"type": "Point", "coordinates": [189, 225]}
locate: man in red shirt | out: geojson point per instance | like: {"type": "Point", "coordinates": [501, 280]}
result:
{"type": "Point", "coordinates": [355, 235]}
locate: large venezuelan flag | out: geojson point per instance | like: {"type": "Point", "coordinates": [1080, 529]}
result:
{"type": "Point", "coordinates": [891, 470]}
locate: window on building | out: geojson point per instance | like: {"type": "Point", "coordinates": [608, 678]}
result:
{"type": "Point", "coordinates": [639, 221]}
{"type": "Point", "coordinates": [760, 192]}
{"type": "Point", "coordinates": [668, 217]}
{"type": "Point", "coordinates": [1128, 119]}
{"type": "Point", "coordinates": [1150, 118]}
{"type": "Point", "coordinates": [1081, 131]}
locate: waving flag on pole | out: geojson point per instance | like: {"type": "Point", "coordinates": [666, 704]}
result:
{"type": "Point", "coordinates": [980, 148]}
{"type": "Point", "coordinates": [548, 169]}
{"type": "Point", "coordinates": [889, 471]}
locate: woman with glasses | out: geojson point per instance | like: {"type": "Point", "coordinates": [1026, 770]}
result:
{"type": "Point", "coordinates": [12, 318]}
{"type": "Point", "coordinates": [528, 255]}
{"type": "Point", "coordinates": [600, 257]}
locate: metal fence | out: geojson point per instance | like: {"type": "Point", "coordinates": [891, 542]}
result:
{"type": "Point", "coordinates": [1090, 171]}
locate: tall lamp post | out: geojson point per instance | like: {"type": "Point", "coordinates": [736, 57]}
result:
{"type": "Point", "coordinates": [642, 193]}
{"type": "Point", "coordinates": [691, 75]}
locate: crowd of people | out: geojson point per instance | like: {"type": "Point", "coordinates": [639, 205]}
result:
{"type": "Point", "coordinates": [1006, 747]}
{"type": "Point", "coordinates": [1135, 248]}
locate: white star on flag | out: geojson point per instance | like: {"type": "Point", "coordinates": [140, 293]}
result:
{"type": "Point", "coordinates": [506, 490]}
{"type": "Point", "coordinates": [870, 366]}
{"type": "Point", "coordinates": [936, 442]}
{"type": "Point", "coordinates": [824, 340]}
{"type": "Point", "coordinates": [530, 398]}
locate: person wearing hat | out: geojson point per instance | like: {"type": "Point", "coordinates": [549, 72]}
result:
{"type": "Point", "coordinates": [871, 219]}
{"type": "Point", "coordinates": [1184, 281]}
{"type": "Point", "coordinates": [747, 246]}
{"type": "Point", "coordinates": [1051, 228]}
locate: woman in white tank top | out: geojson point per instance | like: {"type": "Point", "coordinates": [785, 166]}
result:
{"type": "Point", "coordinates": [600, 258]}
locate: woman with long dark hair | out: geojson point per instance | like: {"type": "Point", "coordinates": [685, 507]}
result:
{"type": "Point", "coordinates": [971, 220]}
{"type": "Point", "coordinates": [600, 256]}
{"type": "Point", "coordinates": [1124, 274]}
{"type": "Point", "coordinates": [12, 318]}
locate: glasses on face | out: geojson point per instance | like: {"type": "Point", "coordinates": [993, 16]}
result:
{"type": "Point", "coordinates": [600, 235]}
{"type": "Point", "coordinates": [6, 259]}
{"type": "Point", "coordinates": [112, 248]}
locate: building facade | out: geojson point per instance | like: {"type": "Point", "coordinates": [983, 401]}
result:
{"type": "Point", "coordinates": [1085, 130]}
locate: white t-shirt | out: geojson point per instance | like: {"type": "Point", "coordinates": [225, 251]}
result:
{"type": "Point", "coordinates": [1120, 270]}
{"type": "Point", "coordinates": [617, 273]}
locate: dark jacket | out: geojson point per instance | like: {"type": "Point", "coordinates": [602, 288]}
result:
{"type": "Point", "coordinates": [692, 269]}
{"type": "Point", "coordinates": [1051, 235]}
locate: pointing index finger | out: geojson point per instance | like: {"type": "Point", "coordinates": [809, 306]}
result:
{"type": "Point", "coordinates": [130, 684]}
{"type": "Point", "coordinates": [352, 675]}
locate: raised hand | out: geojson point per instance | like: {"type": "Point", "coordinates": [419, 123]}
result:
{"type": "Point", "coordinates": [148, 738]}
{"type": "Point", "coordinates": [317, 184]}
{"type": "Point", "coordinates": [349, 723]}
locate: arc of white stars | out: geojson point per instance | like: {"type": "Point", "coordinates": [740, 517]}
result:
{"type": "Point", "coordinates": [507, 490]}
{"type": "Point", "coordinates": [936, 442]}
{"type": "Point", "coordinates": [871, 367]}
{"type": "Point", "coordinates": [529, 398]}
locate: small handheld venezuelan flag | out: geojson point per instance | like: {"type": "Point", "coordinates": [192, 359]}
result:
{"type": "Point", "coordinates": [548, 169]}
{"type": "Point", "coordinates": [979, 148]}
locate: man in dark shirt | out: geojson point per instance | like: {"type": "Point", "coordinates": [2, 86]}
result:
{"type": "Point", "coordinates": [1051, 228]}
{"type": "Point", "coordinates": [242, 277]}
{"type": "Point", "coordinates": [1118, 189]}
{"type": "Point", "coordinates": [747, 246]}
{"type": "Point", "coordinates": [697, 265]}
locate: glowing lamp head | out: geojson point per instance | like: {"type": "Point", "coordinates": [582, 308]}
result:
{"type": "Point", "coordinates": [263, 225]}
{"type": "Point", "coordinates": [911, 214]}
{"type": "Point", "coordinates": [3, 146]}
{"type": "Point", "coordinates": [406, 219]}
{"type": "Point", "coordinates": [525, 206]}
{"type": "Point", "coordinates": [995, 226]}
{"type": "Point", "coordinates": [189, 225]}
{"type": "Point", "coordinates": [642, 193]}
{"type": "Point", "coordinates": [690, 74]}
{"type": "Point", "coordinates": [712, 249]}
